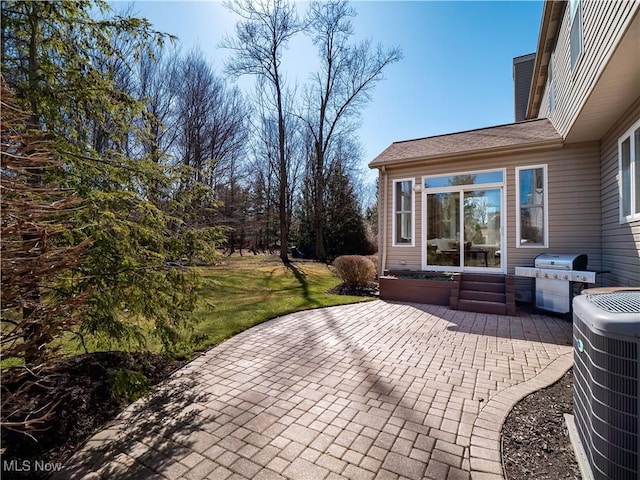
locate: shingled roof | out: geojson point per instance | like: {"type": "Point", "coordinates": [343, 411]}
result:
{"type": "Point", "coordinates": [503, 137]}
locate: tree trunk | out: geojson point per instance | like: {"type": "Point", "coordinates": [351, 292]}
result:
{"type": "Point", "coordinates": [34, 337]}
{"type": "Point", "coordinates": [284, 236]}
{"type": "Point", "coordinates": [319, 210]}
{"type": "Point", "coordinates": [320, 223]}
{"type": "Point", "coordinates": [282, 197]}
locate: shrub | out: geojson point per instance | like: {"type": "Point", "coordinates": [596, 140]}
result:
{"type": "Point", "coordinates": [355, 269]}
{"type": "Point", "coordinates": [128, 384]}
{"type": "Point", "coordinates": [374, 259]}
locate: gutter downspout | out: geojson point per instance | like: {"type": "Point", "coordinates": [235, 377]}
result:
{"type": "Point", "coordinates": [383, 230]}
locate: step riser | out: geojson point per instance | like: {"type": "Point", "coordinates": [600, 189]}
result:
{"type": "Point", "coordinates": [483, 286]}
{"type": "Point", "coordinates": [483, 296]}
{"type": "Point", "coordinates": [482, 307]}
{"type": "Point", "coordinates": [483, 277]}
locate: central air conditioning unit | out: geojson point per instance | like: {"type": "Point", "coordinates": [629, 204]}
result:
{"type": "Point", "coordinates": [606, 334]}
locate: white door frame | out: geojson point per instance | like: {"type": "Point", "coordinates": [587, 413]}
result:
{"type": "Point", "coordinates": [502, 186]}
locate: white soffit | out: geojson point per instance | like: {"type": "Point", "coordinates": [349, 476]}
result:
{"type": "Point", "coordinates": [615, 91]}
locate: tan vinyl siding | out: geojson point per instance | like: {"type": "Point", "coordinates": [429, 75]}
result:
{"type": "Point", "coordinates": [602, 27]}
{"type": "Point", "coordinates": [545, 112]}
{"type": "Point", "coordinates": [620, 242]}
{"type": "Point", "coordinates": [574, 203]}
{"type": "Point", "coordinates": [574, 209]}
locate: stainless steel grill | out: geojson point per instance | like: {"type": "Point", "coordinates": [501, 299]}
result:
{"type": "Point", "coordinates": [554, 276]}
{"type": "Point", "coordinates": [561, 262]}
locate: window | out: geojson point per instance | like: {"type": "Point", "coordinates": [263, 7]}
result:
{"type": "Point", "coordinates": [629, 174]}
{"type": "Point", "coordinates": [403, 202]}
{"type": "Point", "coordinates": [575, 11]}
{"type": "Point", "coordinates": [474, 178]}
{"type": "Point", "coordinates": [532, 208]}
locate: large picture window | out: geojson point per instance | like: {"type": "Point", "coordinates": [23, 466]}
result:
{"type": "Point", "coordinates": [629, 174]}
{"type": "Point", "coordinates": [403, 203]}
{"type": "Point", "coordinates": [532, 208]}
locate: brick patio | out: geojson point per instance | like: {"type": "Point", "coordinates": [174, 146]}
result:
{"type": "Point", "coordinates": [371, 390]}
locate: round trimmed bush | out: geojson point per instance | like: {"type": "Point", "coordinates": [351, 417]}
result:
{"type": "Point", "coordinates": [355, 269]}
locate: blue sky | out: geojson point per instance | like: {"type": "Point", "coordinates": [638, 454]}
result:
{"type": "Point", "coordinates": [456, 73]}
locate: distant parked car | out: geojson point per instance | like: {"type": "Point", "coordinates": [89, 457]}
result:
{"type": "Point", "coordinates": [295, 252]}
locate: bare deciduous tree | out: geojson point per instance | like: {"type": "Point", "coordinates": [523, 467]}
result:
{"type": "Point", "coordinates": [266, 163]}
{"type": "Point", "coordinates": [338, 91]}
{"type": "Point", "coordinates": [194, 111]}
{"type": "Point", "coordinates": [157, 88]}
{"type": "Point", "coordinates": [211, 122]}
{"type": "Point", "coordinates": [260, 37]}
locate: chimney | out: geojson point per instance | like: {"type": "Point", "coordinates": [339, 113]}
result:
{"type": "Point", "coordinates": [522, 76]}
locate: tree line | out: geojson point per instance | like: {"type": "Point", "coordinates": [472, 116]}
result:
{"type": "Point", "coordinates": [125, 159]}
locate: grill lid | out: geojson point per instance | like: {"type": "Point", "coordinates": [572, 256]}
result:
{"type": "Point", "coordinates": [567, 261]}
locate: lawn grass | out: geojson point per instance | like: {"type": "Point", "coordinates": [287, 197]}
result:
{"type": "Point", "coordinates": [239, 294]}
{"type": "Point", "coordinates": [234, 295]}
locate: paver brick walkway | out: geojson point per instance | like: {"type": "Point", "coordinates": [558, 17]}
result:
{"type": "Point", "coordinates": [371, 390]}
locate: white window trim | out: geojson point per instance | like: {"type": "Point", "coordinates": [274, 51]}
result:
{"type": "Point", "coordinates": [545, 207]}
{"type": "Point", "coordinates": [576, 14]}
{"type": "Point", "coordinates": [413, 213]}
{"type": "Point", "coordinates": [635, 164]}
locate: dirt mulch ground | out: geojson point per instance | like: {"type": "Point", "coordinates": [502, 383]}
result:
{"type": "Point", "coordinates": [370, 290]}
{"type": "Point", "coordinates": [535, 439]}
{"type": "Point", "coordinates": [85, 403]}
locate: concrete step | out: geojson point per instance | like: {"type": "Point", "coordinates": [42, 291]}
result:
{"type": "Point", "coordinates": [483, 296]}
{"type": "Point", "coordinates": [480, 306]}
{"type": "Point", "coordinates": [482, 286]}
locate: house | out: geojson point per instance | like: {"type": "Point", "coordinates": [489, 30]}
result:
{"type": "Point", "coordinates": [564, 178]}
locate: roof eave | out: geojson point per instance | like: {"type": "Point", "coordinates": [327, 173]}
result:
{"type": "Point", "coordinates": [549, 29]}
{"type": "Point", "coordinates": [467, 154]}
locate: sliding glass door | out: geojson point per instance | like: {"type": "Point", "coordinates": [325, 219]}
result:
{"type": "Point", "coordinates": [482, 243]}
{"type": "Point", "coordinates": [443, 227]}
{"type": "Point", "coordinates": [464, 221]}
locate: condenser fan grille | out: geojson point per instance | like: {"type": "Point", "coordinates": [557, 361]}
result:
{"type": "Point", "coordinates": [617, 302]}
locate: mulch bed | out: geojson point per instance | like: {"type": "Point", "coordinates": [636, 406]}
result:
{"type": "Point", "coordinates": [535, 439]}
{"type": "Point", "coordinates": [85, 403]}
{"type": "Point", "coordinates": [370, 290]}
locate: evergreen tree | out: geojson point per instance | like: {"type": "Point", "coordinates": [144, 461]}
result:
{"type": "Point", "coordinates": [346, 233]}
{"type": "Point", "coordinates": [66, 67]}
{"type": "Point", "coordinates": [304, 220]}
{"type": "Point", "coordinates": [36, 221]}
